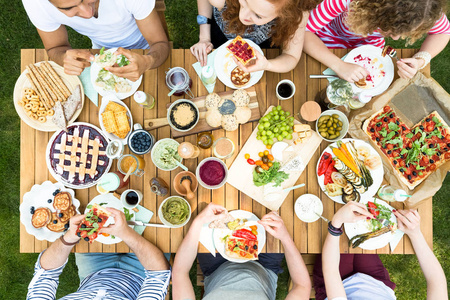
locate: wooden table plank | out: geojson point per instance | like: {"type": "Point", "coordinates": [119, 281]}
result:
{"type": "Point", "coordinates": [308, 237]}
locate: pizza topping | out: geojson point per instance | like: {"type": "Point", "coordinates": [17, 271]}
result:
{"type": "Point", "coordinates": [245, 233]}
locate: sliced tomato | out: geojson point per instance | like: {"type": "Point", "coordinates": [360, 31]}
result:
{"type": "Point", "coordinates": [372, 209]}
{"type": "Point", "coordinates": [386, 108]}
{"type": "Point", "coordinates": [245, 233]}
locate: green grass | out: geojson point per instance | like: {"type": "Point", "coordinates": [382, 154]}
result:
{"type": "Point", "coordinates": [17, 269]}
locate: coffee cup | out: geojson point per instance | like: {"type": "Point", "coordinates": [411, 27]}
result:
{"type": "Point", "coordinates": [131, 198]}
{"type": "Point", "coordinates": [285, 89]}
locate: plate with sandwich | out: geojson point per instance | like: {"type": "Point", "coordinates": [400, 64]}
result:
{"type": "Point", "coordinates": [115, 119]}
{"type": "Point", "coordinates": [239, 238]}
{"type": "Point", "coordinates": [105, 82]}
{"type": "Point", "coordinates": [46, 98]}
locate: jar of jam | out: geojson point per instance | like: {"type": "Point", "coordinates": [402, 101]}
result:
{"type": "Point", "coordinates": [205, 140]}
{"type": "Point", "coordinates": [178, 78]}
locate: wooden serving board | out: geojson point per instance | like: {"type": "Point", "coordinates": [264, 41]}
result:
{"type": "Point", "coordinates": [240, 174]}
{"type": "Point", "coordinates": [202, 126]}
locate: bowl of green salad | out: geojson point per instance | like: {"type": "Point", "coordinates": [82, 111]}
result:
{"type": "Point", "coordinates": [174, 211]}
{"type": "Point", "coordinates": [165, 154]}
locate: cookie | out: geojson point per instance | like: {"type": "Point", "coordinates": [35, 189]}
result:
{"type": "Point", "coordinates": [41, 217]}
{"type": "Point", "coordinates": [55, 224]}
{"type": "Point", "coordinates": [62, 201]}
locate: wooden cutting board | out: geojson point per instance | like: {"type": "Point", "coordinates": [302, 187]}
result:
{"type": "Point", "coordinates": [240, 174]}
{"type": "Point", "coordinates": [202, 126]}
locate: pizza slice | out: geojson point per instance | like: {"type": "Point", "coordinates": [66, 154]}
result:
{"type": "Point", "coordinates": [93, 222]}
{"type": "Point", "coordinates": [241, 248]}
{"type": "Point", "coordinates": [241, 50]}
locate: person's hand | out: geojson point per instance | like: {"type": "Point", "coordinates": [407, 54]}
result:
{"type": "Point", "coordinates": [261, 63]}
{"type": "Point", "coordinates": [408, 67]}
{"type": "Point", "coordinates": [71, 236]}
{"type": "Point", "coordinates": [350, 72]}
{"type": "Point", "coordinates": [211, 212]}
{"type": "Point", "coordinates": [120, 226]}
{"type": "Point", "coordinates": [273, 224]}
{"type": "Point", "coordinates": [75, 60]}
{"type": "Point", "coordinates": [201, 51]}
{"type": "Point", "coordinates": [408, 221]}
{"type": "Point", "coordinates": [138, 65]}
{"type": "Point", "coordinates": [351, 212]}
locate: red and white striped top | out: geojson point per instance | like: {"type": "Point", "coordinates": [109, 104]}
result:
{"type": "Point", "coordinates": [327, 21]}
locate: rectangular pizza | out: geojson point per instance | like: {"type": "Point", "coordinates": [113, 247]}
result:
{"type": "Point", "coordinates": [415, 152]}
{"type": "Point", "coordinates": [241, 248]}
{"type": "Point", "coordinates": [241, 50]}
{"type": "Point", "coordinates": [93, 222]}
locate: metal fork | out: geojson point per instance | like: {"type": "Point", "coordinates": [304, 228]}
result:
{"type": "Point", "coordinates": [392, 53]}
{"type": "Point", "coordinates": [383, 222]}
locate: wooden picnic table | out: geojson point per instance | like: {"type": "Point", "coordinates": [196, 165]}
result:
{"type": "Point", "coordinates": [309, 238]}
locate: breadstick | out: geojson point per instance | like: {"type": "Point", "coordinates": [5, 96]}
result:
{"type": "Point", "coordinates": [45, 69]}
{"type": "Point", "coordinates": [61, 84]}
{"type": "Point", "coordinates": [38, 88]}
{"type": "Point", "coordinates": [43, 80]}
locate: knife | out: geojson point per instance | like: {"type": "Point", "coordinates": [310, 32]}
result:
{"type": "Point", "coordinates": [140, 223]}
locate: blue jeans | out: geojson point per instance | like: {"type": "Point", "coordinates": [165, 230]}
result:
{"type": "Point", "coordinates": [89, 263]}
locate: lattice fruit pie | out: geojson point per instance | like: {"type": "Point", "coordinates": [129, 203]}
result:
{"type": "Point", "coordinates": [77, 158]}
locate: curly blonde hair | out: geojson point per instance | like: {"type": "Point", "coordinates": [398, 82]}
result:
{"type": "Point", "coordinates": [411, 19]}
{"type": "Point", "coordinates": [289, 12]}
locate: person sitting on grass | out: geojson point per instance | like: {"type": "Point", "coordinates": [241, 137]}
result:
{"type": "Point", "coordinates": [363, 276]}
{"type": "Point", "coordinates": [353, 23]}
{"type": "Point", "coordinates": [265, 22]}
{"type": "Point", "coordinates": [228, 280]}
{"type": "Point", "coordinates": [144, 274]}
{"type": "Point", "coordinates": [131, 24]}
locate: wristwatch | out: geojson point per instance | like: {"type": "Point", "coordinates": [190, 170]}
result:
{"type": "Point", "coordinates": [203, 20]}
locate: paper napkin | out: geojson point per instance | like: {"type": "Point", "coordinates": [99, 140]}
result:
{"type": "Point", "coordinates": [398, 234]}
{"type": "Point", "coordinates": [143, 215]}
{"type": "Point", "coordinates": [207, 240]}
{"type": "Point", "coordinates": [89, 90]}
{"type": "Point", "coordinates": [198, 69]}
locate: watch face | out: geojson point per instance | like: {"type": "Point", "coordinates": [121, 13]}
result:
{"type": "Point", "coordinates": [201, 20]}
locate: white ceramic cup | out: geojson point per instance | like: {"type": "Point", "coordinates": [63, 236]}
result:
{"type": "Point", "coordinates": [287, 82]}
{"type": "Point", "coordinates": [124, 201]}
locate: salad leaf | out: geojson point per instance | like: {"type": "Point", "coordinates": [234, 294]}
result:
{"type": "Point", "coordinates": [122, 61]}
{"type": "Point", "coordinates": [102, 50]}
{"type": "Point", "coordinates": [271, 175]}
{"type": "Point", "coordinates": [392, 126]}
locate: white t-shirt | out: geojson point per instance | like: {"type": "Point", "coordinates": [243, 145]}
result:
{"type": "Point", "coordinates": [362, 287]}
{"type": "Point", "coordinates": [115, 26]}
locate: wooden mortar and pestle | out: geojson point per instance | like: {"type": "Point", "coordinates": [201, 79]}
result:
{"type": "Point", "coordinates": [185, 184]}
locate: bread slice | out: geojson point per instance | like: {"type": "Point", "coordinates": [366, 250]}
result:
{"type": "Point", "coordinates": [58, 118]}
{"type": "Point", "coordinates": [73, 103]}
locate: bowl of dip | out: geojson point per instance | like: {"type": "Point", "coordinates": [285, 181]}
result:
{"type": "Point", "coordinates": [212, 173]}
{"type": "Point", "coordinates": [183, 115]}
{"type": "Point", "coordinates": [174, 211]}
{"type": "Point", "coordinates": [307, 207]}
{"type": "Point", "coordinates": [163, 154]}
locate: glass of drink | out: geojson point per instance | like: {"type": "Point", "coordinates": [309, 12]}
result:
{"type": "Point", "coordinates": [131, 198]}
{"type": "Point", "coordinates": [128, 161]}
{"type": "Point", "coordinates": [386, 192]}
{"type": "Point", "coordinates": [285, 89]}
{"type": "Point", "coordinates": [178, 79]}
{"type": "Point", "coordinates": [144, 99]}
{"type": "Point", "coordinates": [111, 182]}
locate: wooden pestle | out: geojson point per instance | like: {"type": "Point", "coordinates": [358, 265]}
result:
{"type": "Point", "coordinates": [186, 182]}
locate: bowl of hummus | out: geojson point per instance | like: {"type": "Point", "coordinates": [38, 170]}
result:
{"type": "Point", "coordinates": [164, 153]}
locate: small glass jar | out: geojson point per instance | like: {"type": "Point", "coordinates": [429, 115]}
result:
{"type": "Point", "coordinates": [386, 192]}
{"type": "Point", "coordinates": [127, 161]}
{"type": "Point", "coordinates": [114, 150]}
{"type": "Point", "coordinates": [178, 78]}
{"type": "Point", "coordinates": [205, 140]}
{"type": "Point", "coordinates": [187, 150]}
{"type": "Point", "coordinates": [223, 148]}
{"type": "Point", "coordinates": [145, 100]}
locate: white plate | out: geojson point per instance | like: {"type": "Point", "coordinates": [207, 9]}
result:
{"type": "Point", "coordinates": [382, 63]}
{"type": "Point", "coordinates": [304, 215]}
{"type": "Point", "coordinates": [60, 178]}
{"type": "Point", "coordinates": [95, 68]}
{"type": "Point", "coordinates": [110, 201]}
{"type": "Point", "coordinates": [37, 197]}
{"type": "Point", "coordinates": [105, 101]}
{"type": "Point", "coordinates": [352, 229]}
{"type": "Point", "coordinates": [377, 175]}
{"type": "Point", "coordinates": [224, 64]}
{"type": "Point", "coordinates": [71, 81]}
{"type": "Point", "coordinates": [219, 234]}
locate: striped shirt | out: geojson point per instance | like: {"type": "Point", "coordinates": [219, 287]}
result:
{"type": "Point", "coordinates": [327, 21]}
{"type": "Point", "coordinates": [111, 284]}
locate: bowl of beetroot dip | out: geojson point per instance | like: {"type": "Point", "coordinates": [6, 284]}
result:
{"type": "Point", "coordinates": [212, 173]}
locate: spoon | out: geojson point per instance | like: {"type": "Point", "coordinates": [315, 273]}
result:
{"type": "Point", "coordinates": [180, 164]}
{"type": "Point", "coordinates": [323, 218]}
{"type": "Point", "coordinates": [130, 170]}
{"type": "Point", "coordinates": [174, 90]}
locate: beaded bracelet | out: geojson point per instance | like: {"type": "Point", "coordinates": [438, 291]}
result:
{"type": "Point", "coordinates": [335, 231]}
{"type": "Point", "coordinates": [423, 55]}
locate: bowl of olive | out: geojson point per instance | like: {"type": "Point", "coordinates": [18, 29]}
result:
{"type": "Point", "coordinates": [332, 125]}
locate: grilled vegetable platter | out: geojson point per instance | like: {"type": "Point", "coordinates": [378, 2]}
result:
{"type": "Point", "coordinates": [349, 170]}
{"type": "Point", "coordinates": [371, 234]}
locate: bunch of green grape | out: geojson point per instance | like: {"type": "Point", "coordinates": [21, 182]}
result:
{"type": "Point", "coordinates": [277, 124]}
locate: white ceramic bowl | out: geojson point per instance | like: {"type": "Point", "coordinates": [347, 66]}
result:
{"type": "Point", "coordinates": [155, 146]}
{"type": "Point", "coordinates": [170, 110]}
{"type": "Point", "coordinates": [165, 222]}
{"type": "Point", "coordinates": [342, 117]}
{"type": "Point", "coordinates": [211, 187]}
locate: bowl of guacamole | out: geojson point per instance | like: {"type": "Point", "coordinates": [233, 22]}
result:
{"type": "Point", "coordinates": [164, 153]}
{"type": "Point", "coordinates": [174, 211]}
